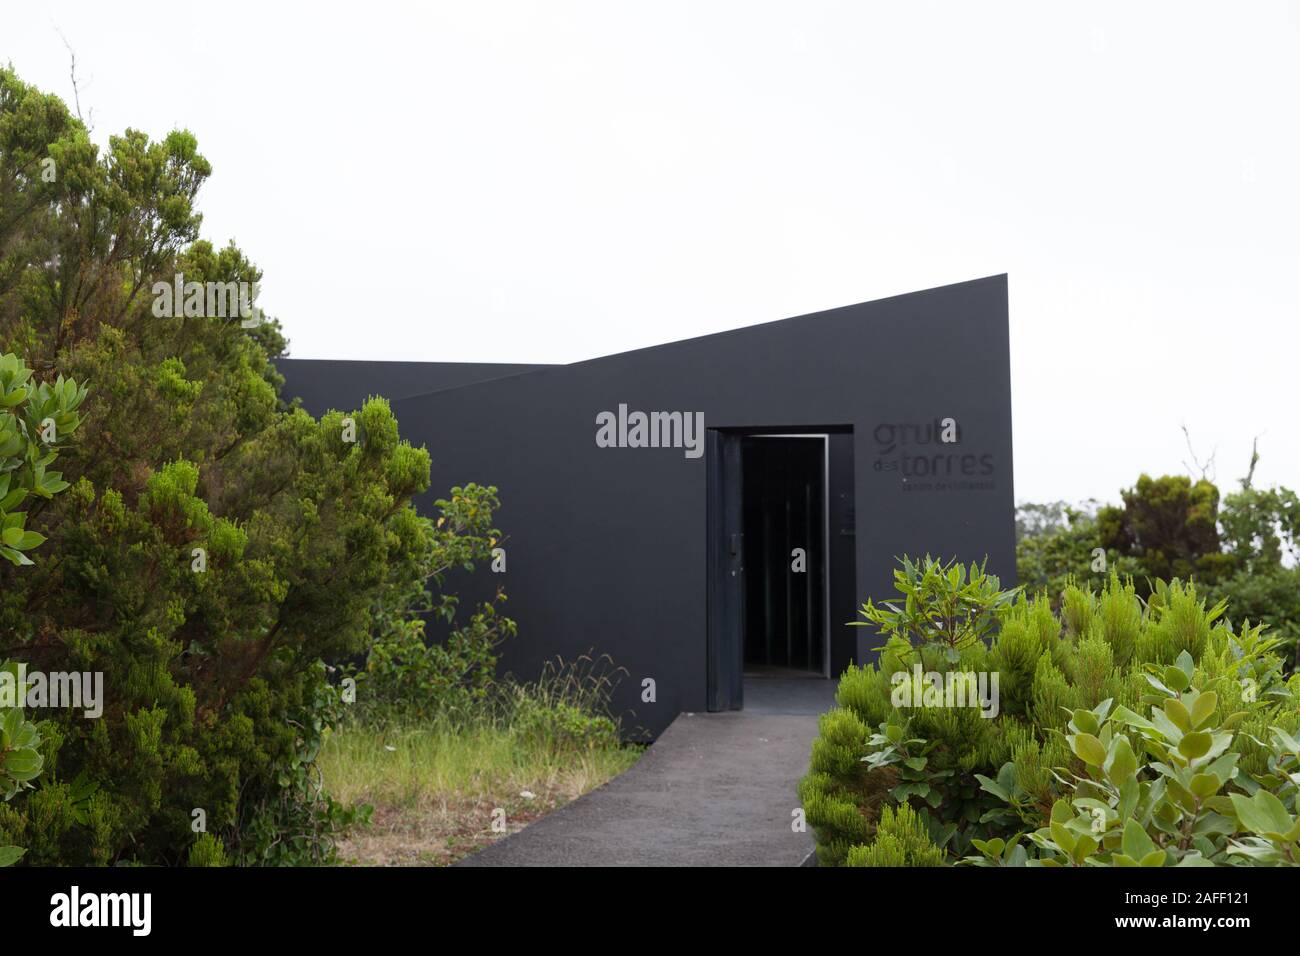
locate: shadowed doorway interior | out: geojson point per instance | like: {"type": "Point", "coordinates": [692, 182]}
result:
{"type": "Point", "coordinates": [775, 570]}
{"type": "Point", "coordinates": [784, 548]}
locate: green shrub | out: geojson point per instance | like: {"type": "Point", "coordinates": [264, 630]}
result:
{"type": "Point", "coordinates": [217, 545]}
{"type": "Point", "coordinates": [567, 709]}
{"type": "Point", "coordinates": [973, 780]}
{"type": "Point", "coordinates": [35, 420]}
{"type": "Point", "coordinates": [564, 728]}
{"type": "Point", "coordinates": [1169, 525]}
{"type": "Point", "coordinates": [1268, 596]}
{"type": "Point", "coordinates": [945, 609]}
{"type": "Point", "coordinates": [21, 760]}
{"type": "Point", "coordinates": [409, 677]}
{"type": "Point", "coordinates": [1163, 790]}
{"type": "Point", "coordinates": [207, 851]}
{"type": "Point", "coordinates": [836, 795]}
{"type": "Point", "coordinates": [900, 840]}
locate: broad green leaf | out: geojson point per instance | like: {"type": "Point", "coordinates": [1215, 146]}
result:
{"type": "Point", "coordinates": [1063, 838]}
{"type": "Point", "coordinates": [993, 787]}
{"type": "Point", "coordinates": [1263, 813]}
{"type": "Point", "coordinates": [9, 855]}
{"type": "Point", "coordinates": [1204, 708]}
{"type": "Point", "coordinates": [1177, 712]}
{"type": "Point", "coordinates": [1195, 744]}
{"type": "Point", "coordinates": [1136, 843]}
{"type": "Point", "coordinates": [1088, 749]}
{"type": "Point", "coordinates": [1176, 679]}
{"type": "Point", "coordinates": [1121, 763]}
{"type": "Point", "coordinates": [1204, 785]}
{"type": "Point", "coordinates": [22, 764]}
{"type": "Point", "coordinates": [1083, 848]}
{"type": "Point", "coordinates": [31, 539]}
{"type": "Point", "coordinates": [1086, 721]}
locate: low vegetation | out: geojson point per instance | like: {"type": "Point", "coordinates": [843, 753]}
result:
{"type": "Point", "coordinates": [436, 786]}
{"type": "Point", "coordinates": [1127, 731]}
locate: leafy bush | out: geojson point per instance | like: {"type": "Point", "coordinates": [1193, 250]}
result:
{"type": "Point", "coordinates": [217, 545]}
{"type": "Point", "coordinates": [1268, 596]}
{"type": "Point", "coordinates": [20, 752]}
{"type": "Point", "coordinates": [567, 709]}
{"type": "Point", "coordinates": [407, 676]}
{"type": "Point", "coordinates": [1163, 791]}
{"type": "Point", "coordinates": [945, 608]}
{"type": "Point", "coordinates": [957, 769]}
{"type": "Point", "coordinates": [35, 420]}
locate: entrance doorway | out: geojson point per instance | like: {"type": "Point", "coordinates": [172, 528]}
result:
{"type": "Point", "coordinates": [769, 559]}
{"type": "Point", "coordinates": [784, 514]}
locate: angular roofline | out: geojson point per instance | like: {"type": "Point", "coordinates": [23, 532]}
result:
{"type": "Point", "coordinates": [548, 367]}
{"type": "Point", "coordinates": [823, 314]}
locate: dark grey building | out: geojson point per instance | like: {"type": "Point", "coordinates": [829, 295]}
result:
{"type": "Point", "coordinates": [721, 505]}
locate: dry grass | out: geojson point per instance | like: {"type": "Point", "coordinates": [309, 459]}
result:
{"type": "Point", "coordinates": [434, 788]}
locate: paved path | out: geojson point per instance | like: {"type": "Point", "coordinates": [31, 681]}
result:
{"type": "Point", "coordinates": [713, 790]}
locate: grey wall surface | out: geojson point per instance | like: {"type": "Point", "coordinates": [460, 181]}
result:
{"type": "Point", "coordinates": [606, 546]}
{"type": "Point", "coordinates": [344, 385]}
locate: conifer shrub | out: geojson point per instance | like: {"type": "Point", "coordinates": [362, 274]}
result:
{"type": "Point", "coordinates": [900, 840]}
{"type": "Point", "coordinates": [894, 739]}
{"type": "Point", "coordinates": [207, 851]}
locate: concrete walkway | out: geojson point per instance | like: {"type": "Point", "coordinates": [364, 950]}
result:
{"type": "Point", "coordinates": [713, 790]}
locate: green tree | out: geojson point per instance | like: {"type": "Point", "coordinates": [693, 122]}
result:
{"type": "Point", "coordinates": [1059, 544]}
{"type": "Point", "coordinates": [1260, 525]}
{"type": "Point", "coordinates": [1169, 525]}
{"type": "Point", "coordinates": [217, 546]}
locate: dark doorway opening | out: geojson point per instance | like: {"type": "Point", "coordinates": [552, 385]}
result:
{"type": "Point", "coordinates": [784, 547]}
{"type": "Point", "coordinates": [773, 500]}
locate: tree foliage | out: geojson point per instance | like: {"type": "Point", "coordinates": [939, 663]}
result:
{"type": "Point", "coordinates": [408, 676]}
{"type": "Point", "coordinates": [1240, 547]}
{"type": "Point", "coordinates": [35, 420]}
{"type": "Point", "coordinates": [215, 546]}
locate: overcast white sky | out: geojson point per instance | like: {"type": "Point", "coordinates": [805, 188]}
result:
{"type": "Point", "coordinates": [548, 182]}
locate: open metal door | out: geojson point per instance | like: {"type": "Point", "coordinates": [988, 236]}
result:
{"type": "Point", "coordinates": [726, 592]}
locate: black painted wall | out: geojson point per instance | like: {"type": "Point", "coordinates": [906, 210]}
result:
{"type": "Point", "coordinates": [343, 385]}
{"type": "Point", "coordinates": [606, 546]}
